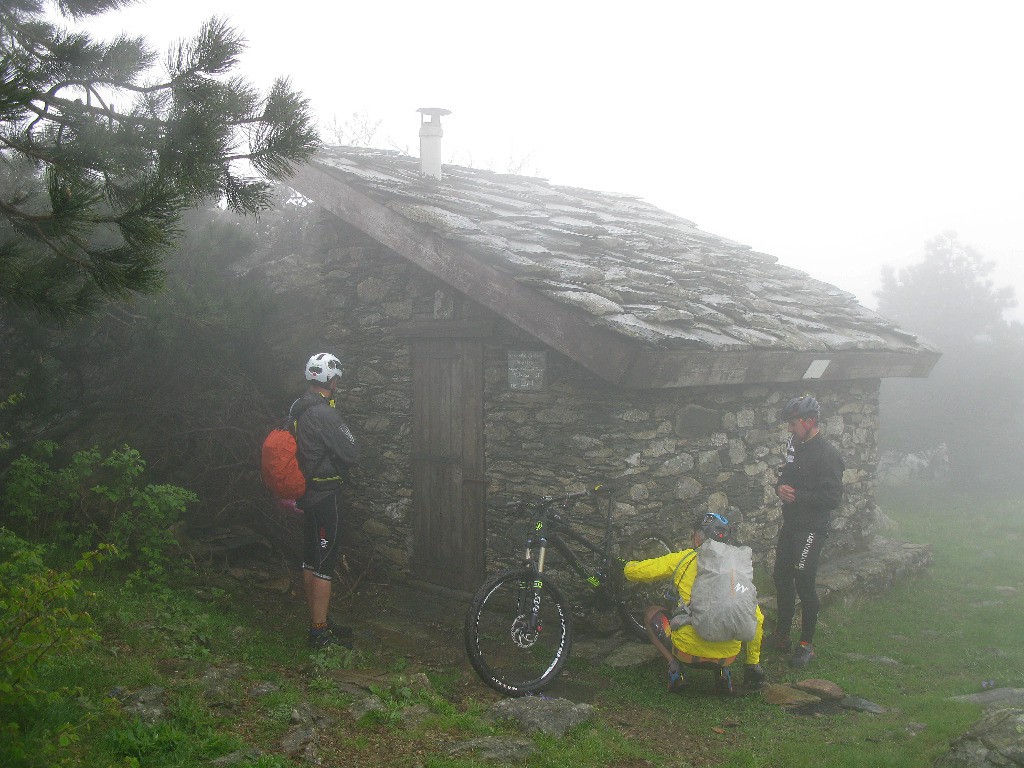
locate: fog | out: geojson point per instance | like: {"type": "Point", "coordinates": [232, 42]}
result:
{"type": "Point", "coordinates": [836, 139]}
{"type": "Point", "coordinates": [964, 423]}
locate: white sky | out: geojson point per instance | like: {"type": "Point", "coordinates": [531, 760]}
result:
{"type": "Point", "coordinates": [837, 137]}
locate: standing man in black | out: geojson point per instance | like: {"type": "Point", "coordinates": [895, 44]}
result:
{"type": "Point", "coordinates": [326, 450]}
{"type": "Point", "coordinates": [810, 486]}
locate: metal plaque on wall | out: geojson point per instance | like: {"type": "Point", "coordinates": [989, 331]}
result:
{"type": "Point", "coordinates": [527, 370]}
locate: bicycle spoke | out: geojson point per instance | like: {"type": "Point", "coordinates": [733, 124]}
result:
{"type": "Point", "coordinates": [635, 597]}
{"type": "Point", "coordinates": [518, 633]}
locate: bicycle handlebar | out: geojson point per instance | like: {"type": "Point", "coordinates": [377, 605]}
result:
{"type": "Point", "coordinates": [528, 502]}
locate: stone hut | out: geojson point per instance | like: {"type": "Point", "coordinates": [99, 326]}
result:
{"type": "Point", "coordinates": [505, 335]}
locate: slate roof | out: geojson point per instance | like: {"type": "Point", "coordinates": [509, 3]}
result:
{"type": "Point", "coordinates": [615, 264]}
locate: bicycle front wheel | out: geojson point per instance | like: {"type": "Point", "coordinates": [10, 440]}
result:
{"type": "Point", "coordinates": [633, 598]}
{"type": "Point", "coordinates": [518, 632]}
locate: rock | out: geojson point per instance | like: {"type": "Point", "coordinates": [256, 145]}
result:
{"type": "Point", "coordinates": [417, 682]}
{"type": "Point", "coordinates": [995, 698]}
{"type": "Point", "coordinates": [239, 756]}
{"type": "Point", "coordinates": [1006, 591]}
{"type": "Point", "coordinates": [862, 705]}
{"type": "Point", "coordinates": [998, 740]}
{"type": "Point", "coordinates": [366, 705]}
{"type": "Point", "coordinates": [308, 722]}
{"type": "Point", "coordinates": [852, 574]}
{"type": "Point", "coordinates": [825, 690]}
{"type": "Point", "coordinates": [304, 714]}
{"type": "Point", "coordinates": [217, 677]}
{"type": "Point", "coordinates": [412, 717]}
{"type": "Point", "coordinates": [787, 695]}
{"type": "Point", "coordinates": [594, 649]}
{"type": "Point", "coordinates": [147, 703]}
{"type": "Point", "coordinates": [217, 686]}
{"type": "Point", "coordinates": [264, 688]}
{"type": "Point", "coordinates": [631, 655]}
{"type": "Point", "coordinates": [298, 739]}
{"type": "Point", "coordinates": [536, 714]}
{"type": "Point", "coordinates": [511, 750]}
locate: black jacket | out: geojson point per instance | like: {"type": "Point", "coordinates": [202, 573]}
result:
{"type": "Point", "coordinates": [816, 472]}
{"type": "Point", "coordinates": [326, 448]}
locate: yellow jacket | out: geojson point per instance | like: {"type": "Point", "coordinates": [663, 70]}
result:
{"type": "Point", "coordinates": [686, 638]}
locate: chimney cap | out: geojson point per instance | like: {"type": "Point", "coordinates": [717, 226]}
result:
{"type": "Point", "coordinates": [433, 112]}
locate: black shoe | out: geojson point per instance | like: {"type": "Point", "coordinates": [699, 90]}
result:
{"type": "Point", "coordinates": [753, 677]}
{"type": "Point", "coordinates": [323, 639]}
{"type": "Point", "coordinates": [340, 630]}
{"type": "Point", "coordinates": [723, 684]}
{"type": "Point", "coordinates": [802, 655]}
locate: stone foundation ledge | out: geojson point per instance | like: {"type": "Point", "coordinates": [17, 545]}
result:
{"type": "Point", "coordinates": [873, 569]}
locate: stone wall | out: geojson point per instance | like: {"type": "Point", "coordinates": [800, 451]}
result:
{"type": "Point", "coordinates": [674, 452]}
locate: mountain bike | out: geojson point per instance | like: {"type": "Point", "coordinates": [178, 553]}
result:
{"type": "Point", "coordinates": [519, 628]}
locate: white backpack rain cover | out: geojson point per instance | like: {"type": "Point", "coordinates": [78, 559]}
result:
{"type": "Point", "coordinates": [723, 601]}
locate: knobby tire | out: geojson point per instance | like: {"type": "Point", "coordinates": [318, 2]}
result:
{"type": "Point", "coordinates": [505, 651]}
{"type": "Point", "coordinates": [633, 598]}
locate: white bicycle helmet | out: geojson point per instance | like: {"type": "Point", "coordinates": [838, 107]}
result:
{"type": "Point", "coordinates": [323, 367]}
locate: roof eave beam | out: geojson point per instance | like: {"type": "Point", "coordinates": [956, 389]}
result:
{"type": "Point", "coordinates": [656, 369]}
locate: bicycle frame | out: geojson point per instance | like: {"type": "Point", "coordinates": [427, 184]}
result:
{"type": "Point", "coordinates": [519, 630]}
{"type": "Point", "coordinates": [540, 537]}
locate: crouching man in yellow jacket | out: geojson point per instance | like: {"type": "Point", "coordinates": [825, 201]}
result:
{"type": "Point", "coordinates": [683, 646]}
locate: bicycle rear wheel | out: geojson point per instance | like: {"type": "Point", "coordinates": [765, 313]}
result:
{"type": "Point", "coordinates": [633, 598]}
{"type": "Point", "coordinates": [518, 632]}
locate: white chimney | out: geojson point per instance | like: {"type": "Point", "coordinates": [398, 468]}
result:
{"type": "Point", "coordinates": [430, 140]}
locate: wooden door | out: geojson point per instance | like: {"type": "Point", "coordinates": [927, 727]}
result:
{"type": "Point", "coordinates": [448, 462]}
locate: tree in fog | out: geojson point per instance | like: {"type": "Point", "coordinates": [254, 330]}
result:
{"type": "Point", "coordinates": [973, 400]}
{"type": "Point", "coordinates": [179, 374]}
{"type": "Point", "coordinates": [100, 154]}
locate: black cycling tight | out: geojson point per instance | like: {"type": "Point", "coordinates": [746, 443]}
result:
{"type": "Point", "coordinates": [796, 568]}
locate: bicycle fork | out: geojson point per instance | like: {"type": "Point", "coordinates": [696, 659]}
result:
{"type": "Point", "coordinates": [528, 626]}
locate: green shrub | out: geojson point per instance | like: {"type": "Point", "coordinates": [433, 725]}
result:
{"type": "Point", "coordinates": [40, 615]}
{"type": "Point", "coordinates": [10, 400]}
{"type": "Point", "coordinates": [95, 499]}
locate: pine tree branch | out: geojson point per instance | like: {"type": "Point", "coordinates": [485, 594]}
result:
{"type": "Point", "coordinates": [90, 174]}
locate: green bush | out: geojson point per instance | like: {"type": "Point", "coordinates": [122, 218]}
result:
{"type": "Point", "coordinates": [12, 399]}
{"type": "Point", "coordinates": [95, 499]}
{"type": "Point", "coordinates": [40, 615]}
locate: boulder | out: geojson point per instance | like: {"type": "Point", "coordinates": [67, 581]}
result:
{"type": "Point", "coordinates": [536, 714]}
{"type": "Point", "coordinates": [632, 655]}
{"type": "Point", "coordinates": [787, 696]}
{"type": "Point", "coordinates": [497, 749]}
{"type": "Point", "coordinates": [998, 740]}
{"type": "Point", "coordinates": [825, 690]}
{"type": "Point", "coordinates": [996, 698]}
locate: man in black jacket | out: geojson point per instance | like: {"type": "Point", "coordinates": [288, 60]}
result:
{"type": "Point", "coordinates": [810, 486]}
{"type": "Point", "coordinates": [326, 449]}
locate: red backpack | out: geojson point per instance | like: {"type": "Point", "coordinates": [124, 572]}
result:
{"type": "Point", "coordinates": [279, 463]}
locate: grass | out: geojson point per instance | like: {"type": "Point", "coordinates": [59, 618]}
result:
{"type": "Point", "coordinates": [950, 631]}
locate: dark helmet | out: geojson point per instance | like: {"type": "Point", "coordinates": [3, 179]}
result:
{"type": "Point", "coordinates": [805, 407]}
{"type": "Point", "coordinates": [714, 525]}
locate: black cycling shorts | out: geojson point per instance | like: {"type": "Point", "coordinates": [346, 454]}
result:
{"type": "Point", "coordinates": [320, 545]}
